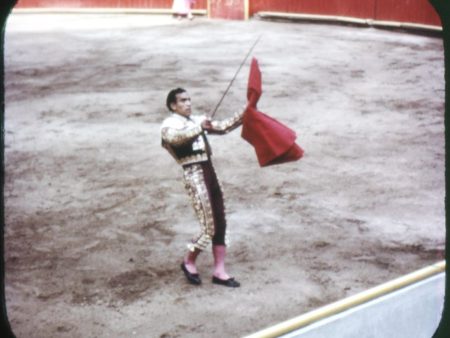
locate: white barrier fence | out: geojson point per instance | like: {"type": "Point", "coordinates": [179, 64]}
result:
{"type": "Point", "coordinates": [408, 307]}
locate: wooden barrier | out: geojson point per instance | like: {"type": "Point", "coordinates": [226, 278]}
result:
{"type": "Point", "coordinates": [149, 4]}
{"type": "Point", "coordinates": [410, 11]}
{"type": "Point", "coordinates": [352, 8]}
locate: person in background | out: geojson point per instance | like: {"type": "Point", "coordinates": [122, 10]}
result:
{"type": "Point", "coordinates": [182, 8]}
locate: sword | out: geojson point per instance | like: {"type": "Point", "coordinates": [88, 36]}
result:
{"type": "Point", "coordinates": [234, 77]}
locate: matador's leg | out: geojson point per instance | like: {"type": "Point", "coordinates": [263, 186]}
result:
{"type": "Point", "coordinates": [218, 206]}
{"type": "Point", "coordinates": [198, 192]}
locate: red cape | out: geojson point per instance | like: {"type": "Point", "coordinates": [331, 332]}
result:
{"type": "Point", "coordinates": [274, 143]}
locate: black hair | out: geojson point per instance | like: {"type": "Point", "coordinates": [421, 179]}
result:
{"type": "Point", "coordinates": [172, 96]}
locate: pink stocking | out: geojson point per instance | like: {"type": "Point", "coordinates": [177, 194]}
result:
{"type": "Point", "coordinates": [219, 252]}
{"type": "Point", "coordinates": [189, 260]}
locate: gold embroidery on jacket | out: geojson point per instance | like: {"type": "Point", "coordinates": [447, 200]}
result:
{"type": "Point", "coordinates": [180, 136]}
{"type": "Point", "coordinates": [227, 125]}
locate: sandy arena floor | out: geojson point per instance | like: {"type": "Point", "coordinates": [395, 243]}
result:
{"type": "Point", "coordinates": [96, 214]}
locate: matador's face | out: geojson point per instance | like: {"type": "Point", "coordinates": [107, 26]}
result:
{"type": "Point", "coordinates": [183, 104]}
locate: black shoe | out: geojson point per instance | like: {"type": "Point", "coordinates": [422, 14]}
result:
{"type": "Point", "coordinates": [230, 282]}
{"type": "Point", "coordinates": [193, 278]}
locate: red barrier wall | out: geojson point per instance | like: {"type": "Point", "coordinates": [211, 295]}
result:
{"type": "Point", "coordinates": [414, 11]}
{"type": "Point", "coordinates": [227, 9]}
{"type": "Point", "coordinates": [354, 8]}
{"type": "Point", "coordinates": [199, 4]}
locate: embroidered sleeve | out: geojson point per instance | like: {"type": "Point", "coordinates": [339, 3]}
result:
{"type": "Point", "coordinates": [227, 125]}
{"type": "Point", "coordinates": [178, 136]}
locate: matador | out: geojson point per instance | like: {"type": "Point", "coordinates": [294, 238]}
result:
{"type": "Point", "coordinates": [184, 135]}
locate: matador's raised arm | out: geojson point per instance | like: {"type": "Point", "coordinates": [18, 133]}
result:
{"type": "Point", "coordinates": [227, 125]}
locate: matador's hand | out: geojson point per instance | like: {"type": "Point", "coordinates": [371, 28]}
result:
{"type": "Point", "coordinates": [207, 125]}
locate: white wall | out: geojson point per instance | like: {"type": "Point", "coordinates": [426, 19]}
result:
{"type": "Point", "coordinates": [411, 312]}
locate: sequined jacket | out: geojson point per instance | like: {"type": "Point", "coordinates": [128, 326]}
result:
{"type": "Point", "coordinates": [185, 139]}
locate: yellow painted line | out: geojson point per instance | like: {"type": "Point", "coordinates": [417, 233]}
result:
{"type": "Point", "coordinates": [345, 19]}
{"type": "Point", "coordinates": [350, 302]}
{"type": "Point", "coordinates": [407, 25]}
{"type": "Point", "coordinates": [312, 17]}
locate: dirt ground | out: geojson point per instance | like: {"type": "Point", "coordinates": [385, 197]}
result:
{"type": "Point", "coordinates": [97, 218]}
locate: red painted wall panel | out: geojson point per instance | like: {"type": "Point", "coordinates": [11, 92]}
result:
{"type": "Point", "coordinates": [415, 11]}
{"type": "Point", "coordinates": [227, 9]}
{"type": "Point", "coordinates": [199, 4]}
{"type": "Point", "coordinates": [354, 8]}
